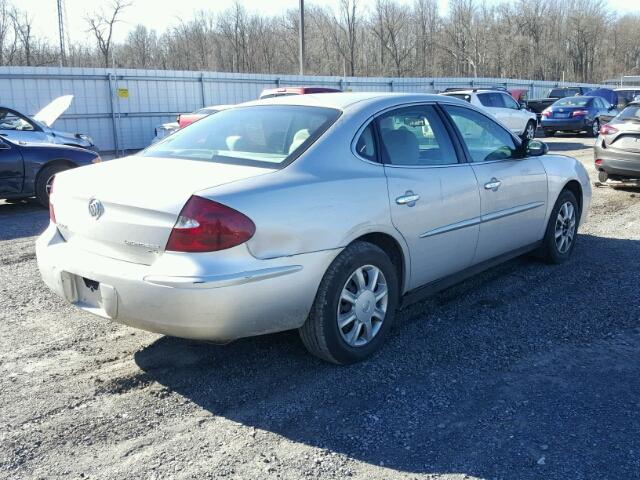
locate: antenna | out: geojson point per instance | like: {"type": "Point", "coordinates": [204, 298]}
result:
{"type": "Point", "coordinates": [61, 30]}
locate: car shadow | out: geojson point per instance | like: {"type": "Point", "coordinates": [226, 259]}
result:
{"type": "Point", "coordinates": [567, 146]}
{"type": "Point", "coordinates": [524, 371]}
{"type": "Point", "coordinates": [24, 218]}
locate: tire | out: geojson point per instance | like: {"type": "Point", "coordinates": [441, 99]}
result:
{"type": "Point", "coordinates": [549, 133]}
{"type": "Point", "coordinates": [595, 129]}
{"type": "Point", "coordinates": [43, 179]}
{"type": "Point", "coordinates": [321, 334]}
{"type": "Point", "coordinates": [551, 251]}
{"type": "Point", "coordinates": [530, 130]}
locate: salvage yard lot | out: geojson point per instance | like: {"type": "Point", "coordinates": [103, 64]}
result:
{"type": "Point", "coordinates": [527, 371]}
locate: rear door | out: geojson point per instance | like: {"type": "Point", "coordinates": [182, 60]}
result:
{"type": "Point", "coordinates": [433, 197]}
{"type": "Point", "coordinates": [11, 169]}
{"type": "Point", "coordinates": [513, 191]}
{"type": "Point", "coordinates": [492, 102]}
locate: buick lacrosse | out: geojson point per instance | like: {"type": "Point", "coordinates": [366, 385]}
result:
{"type": "Point", "coordinates": [322, 213]}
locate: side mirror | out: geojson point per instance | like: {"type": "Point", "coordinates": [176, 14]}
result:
{"type": "Point", "coordinates": [523, 106]}
{"type": "Point", "coordinates": [536, 148]}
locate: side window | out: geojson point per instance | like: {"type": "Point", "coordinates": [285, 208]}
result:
{"type": "Point", "coordinates": [509, 102]}
{"type": "Point", "coordinates": [416, 136]}
{"type": "Point", "coordinates": [484, 138]}
{"type": "Point", "coordinates": [366, 145]}
{"type": "Point", "coordinates": [11, 121]}
{"type": "Point", "coordinates": [486, 100]}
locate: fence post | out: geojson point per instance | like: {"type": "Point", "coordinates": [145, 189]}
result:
{"type": "Point", "coordinates": [204, 102]}
{"type": "Point", "coordinates": [112, 94]}
{"type": "Point", "coordinates": [391, 86]}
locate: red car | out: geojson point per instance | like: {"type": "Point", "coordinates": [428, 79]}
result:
{"type": "Point", "coordinates": [284, 91]}
{"type": "Point", "coordinates": [185, 119]}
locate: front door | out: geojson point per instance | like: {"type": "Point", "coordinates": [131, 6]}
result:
{"type": "Point", "coordinates": [11, 169]}
{"type": "Point", "coordinates": [433, 197]}
{"type": "Point", "coordinates": [513, 191]}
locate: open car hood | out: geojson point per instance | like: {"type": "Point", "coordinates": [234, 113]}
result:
{"type": "Point", "coordinates": [53, 110]}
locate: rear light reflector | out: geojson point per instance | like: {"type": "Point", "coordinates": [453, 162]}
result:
{"type": "Point", "coordinates": [207, 226]}
{"type": "Point", "coordinates": [546, 112]}
{"type": "Point", "coordinates": [580, 113]}
{"type": "Point", "coordinates": [52, 213]}
{"type": "Point", "coordinates": [598, 161]}
{"type": "Point", "coordinates": [608, 130]}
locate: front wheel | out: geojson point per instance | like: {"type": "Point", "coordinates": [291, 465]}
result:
{"type": "Point", "coordinates": [354, 307]}
{"type": "Point", "coordinates": [560, 236]}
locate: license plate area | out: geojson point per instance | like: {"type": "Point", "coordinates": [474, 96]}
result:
{"type": "Point", "coordinates": [562, 115]}
{"type": "Point", "coordinates": [95, 297]}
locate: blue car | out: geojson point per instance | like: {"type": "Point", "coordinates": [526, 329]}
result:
{"type": "Point", "coordinates": [577, 114]}
{"type": "Point", "coordinates": [27, 169]}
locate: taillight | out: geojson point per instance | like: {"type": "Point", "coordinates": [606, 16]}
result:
{"type": "Point", "coordinates": [52, 213]}
{"type": "Point", "coordinates": [608, 130]}
{"type": "Point", "coordinates": [546, 112]}
{"type": "Point", "coordinates": [208, 226]}
{"type": "Point", "coordinates": [579, 113]}
{"type": "Point", "coordinates": [598, 161]}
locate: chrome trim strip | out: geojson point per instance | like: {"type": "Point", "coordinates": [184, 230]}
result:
{"type": "Point", "coordinates": [510, 211]}
{"type": "Point", "coordinates": [482, 219]}
{"type": "Point", "coordinates": [452, 227]}
{"type": "Point", "coordinates": [217, 281]}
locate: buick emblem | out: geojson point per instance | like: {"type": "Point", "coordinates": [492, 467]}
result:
{"type": "Point", "coordinates": [95, 208]}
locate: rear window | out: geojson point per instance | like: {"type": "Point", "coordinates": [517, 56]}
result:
{"type": "Point", "coordinates": [572, 102]}
{"type": "Point", "coordinates": [564, 92]}
{"type": "Point", "coordinates": [462, 96]}
{"type": "Point", "coordinates": [261, 135]}
{"type": "Point", "coordinates": [631, 112]}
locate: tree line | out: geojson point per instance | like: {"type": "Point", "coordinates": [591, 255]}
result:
{"type": "Point", "coordinates": [580, 40]}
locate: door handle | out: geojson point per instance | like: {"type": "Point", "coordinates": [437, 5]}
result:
{"type": "Point", "coordinates": [493, 184]}
{"type": "Point", "coordinates": [409, 199]}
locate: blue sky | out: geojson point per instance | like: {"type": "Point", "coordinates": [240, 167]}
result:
{"type": "Point", "coordinates": [159, 14]}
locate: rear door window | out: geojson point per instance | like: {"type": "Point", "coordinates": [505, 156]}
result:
{"type": "Point", "coordinates": [416, 136]}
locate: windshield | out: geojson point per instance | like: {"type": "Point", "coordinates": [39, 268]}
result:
{"type": "Point", "coordinates": [261, 135]}
{"type": "Point", "coordinates": [572, 102]}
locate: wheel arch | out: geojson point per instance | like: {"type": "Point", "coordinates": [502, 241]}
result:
{"type": "Point", "coordinates": [574, 187]}
{"type": "Point", "coordinates": [51, 163]}
{"type": "Point", "coordinates": [394, 249]}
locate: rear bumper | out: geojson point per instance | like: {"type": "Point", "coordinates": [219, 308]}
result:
{"type": "Point", "coordinates": [219, 301]}
{"type": "Point", "coordinates": [617, 162]}
{"type": "Point", "coordinates": [566, 124]}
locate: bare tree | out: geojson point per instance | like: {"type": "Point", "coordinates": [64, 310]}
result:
{"type": "Point", "coordinates": [101, 25]}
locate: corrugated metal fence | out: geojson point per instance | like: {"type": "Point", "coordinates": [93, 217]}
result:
{"type": "Point", "coordinates": [120, 108]}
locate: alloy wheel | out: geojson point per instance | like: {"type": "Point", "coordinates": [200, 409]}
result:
{"type": "Point", "coordinates": [362, 306]}
{"type": "Point", "coordinates": [530, 133]}
{"type": "Point", "coordinates": [565, 227]}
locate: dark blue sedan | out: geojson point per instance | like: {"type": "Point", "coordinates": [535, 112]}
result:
{"type": "Point", "coordinates": [577, 114]}
{"type": "Point", "coordinates": [27, 169]}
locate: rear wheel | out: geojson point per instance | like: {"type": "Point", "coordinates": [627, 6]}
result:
{"type": "Point", "coordinates": [595, 128]}
{"type": "Point", "coordinates": [530, 130]}
{"type": "Point", "coordinates": [354, 307]}
{"type": "Point", "coordinates": [560, 236]}
{"type": "Point", "coordinates": [44, 181]}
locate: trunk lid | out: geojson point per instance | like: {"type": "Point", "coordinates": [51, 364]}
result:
{"type": "Point", "coordinates": [126, 208]}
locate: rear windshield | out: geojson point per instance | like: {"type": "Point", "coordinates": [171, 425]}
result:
{"type": "Point", "coordinates": [261, 135]}
{"type": "Point", "coordinates": [631, 112]}
{"type": "Point", "coordinates": [572, 102]}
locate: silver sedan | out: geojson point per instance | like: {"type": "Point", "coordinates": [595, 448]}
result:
{"type": "Point", "coordinates": [323, 213]}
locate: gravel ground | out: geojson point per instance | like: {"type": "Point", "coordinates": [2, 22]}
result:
{"type": "Point", "coordinates": [527, 371]}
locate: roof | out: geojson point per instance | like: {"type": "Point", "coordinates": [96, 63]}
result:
{"type": "Point", "coordinates": [345, 100]}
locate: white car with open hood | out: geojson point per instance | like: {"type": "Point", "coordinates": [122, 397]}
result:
{"type": "Point", "coordinates": [19, 127]}
{"type": "Point", "coordinates": [323, 213]}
